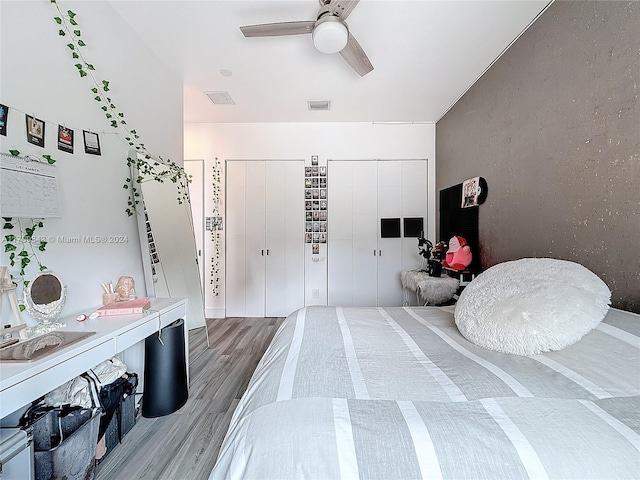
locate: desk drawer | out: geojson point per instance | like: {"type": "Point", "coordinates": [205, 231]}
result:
{"type": "Point", "coordinates": [135, 335]}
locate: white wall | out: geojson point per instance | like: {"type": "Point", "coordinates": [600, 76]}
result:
{"type": "Point", "coordinates": [37, 76]}
{"type": "Point", "coordinates": [330, 141]}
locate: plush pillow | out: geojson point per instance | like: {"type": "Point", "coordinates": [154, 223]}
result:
{"type": "Point", "coordinates": [532, 305]}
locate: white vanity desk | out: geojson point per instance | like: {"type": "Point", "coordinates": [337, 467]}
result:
{"type": "Point", "coordinates": [21, 383]}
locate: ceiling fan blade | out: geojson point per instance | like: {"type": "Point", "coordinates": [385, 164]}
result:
{"type": "Point", "coordinates": [342, 8]}
{"type": "Point", "coordinates": [355, 56]}
{"type": "Point", "coordinates": [277, 29]}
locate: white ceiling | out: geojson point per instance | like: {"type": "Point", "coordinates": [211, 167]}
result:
{"type": "Point", "coordinates": [425, 54]}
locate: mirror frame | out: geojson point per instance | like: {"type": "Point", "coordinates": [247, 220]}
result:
{"type": "Point", "coordinates": [45, 312]}
{"type": "Point", "coordinates": [147, 213]}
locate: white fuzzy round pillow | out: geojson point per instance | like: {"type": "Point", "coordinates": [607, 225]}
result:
{"type": "Point", "coordinates": [532, 305]}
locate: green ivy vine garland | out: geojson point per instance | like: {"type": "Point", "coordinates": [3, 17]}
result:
{"type": "Point", "coordinates": [215, 231]}
{"type": "Point", "coordinates": [146, 164]}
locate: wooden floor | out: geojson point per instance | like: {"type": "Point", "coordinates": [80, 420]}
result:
{"type": "Point", "coordinates": [185, 444]}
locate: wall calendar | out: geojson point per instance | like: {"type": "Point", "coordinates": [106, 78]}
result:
{"type": "Point", "coordinates": [28, 188]}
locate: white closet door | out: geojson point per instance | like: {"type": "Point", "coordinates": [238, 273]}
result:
{"type": "Point", "coordinates": [414, 204]}
{"type": "Point", "coordinates": [235, 261]}
{"type": "Point", "coordinates": [365, 233]}
{"type": "Point", "coordinates": [340, 271]}
{"type": "Point", "coordinates": [352, 246]}
{"type": "Point", "coordinates": [294, 286]}
{"type": "Point", "coordinates": [255, 250]}
{"type": "Point", "coordinates": [389, 196]}
{"type": "Point", "coordinates": [340, 226]}
{"type": "Point", "coordinates": [284, 237]}
{"type": "Point", "coordinates": [265, 242]}
{"type": "Point", "coordinates": [363, 268]}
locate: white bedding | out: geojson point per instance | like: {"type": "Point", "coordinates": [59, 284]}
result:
{"type": "Point", "coordinates": [370, 393]}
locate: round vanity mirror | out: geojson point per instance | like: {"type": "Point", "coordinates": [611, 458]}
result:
{"type": "Point", "coordinates": [44, 299]}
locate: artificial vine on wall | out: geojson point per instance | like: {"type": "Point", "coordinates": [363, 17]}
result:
{"type": "Point", "coordinates": [22, 246]}
{"type": "Point", "coordinates": [146, 164]}
{"type": "Point", "coordinates": [215, 229]}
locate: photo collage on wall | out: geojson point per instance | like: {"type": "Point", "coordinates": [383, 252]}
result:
{"type": "Point", "coordinates": [315, 205]}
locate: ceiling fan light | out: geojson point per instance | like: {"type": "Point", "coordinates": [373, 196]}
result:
{"type": "Point", "coordinates": [330, 36]}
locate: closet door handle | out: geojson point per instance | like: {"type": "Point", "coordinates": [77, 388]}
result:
{"type": "Point", "coordinates": [379, 253]}
{"type": "Point", "coordinates": [374, 252]}
{"type": "Point", "coordinates": [262, 252]}
{"type": "Point", "coordinates": [267, 251]}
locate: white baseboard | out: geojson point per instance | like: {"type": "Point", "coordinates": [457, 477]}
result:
{"type": "Point", "coordinates": [214, 312]}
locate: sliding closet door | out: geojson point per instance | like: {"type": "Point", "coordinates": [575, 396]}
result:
{"type": "Point", "coordinates": [255, 249]}
{"type": "Point", "coordinates": [340, 223]}
{"type": "Point", "coordinates": [364, 268]}
{"type": "Point", "coordinates": [236, 237]}
{"type": "Point", "coordinates": [245, 239]}
{"type": "Point", "coordinates": [364, 234]}
{"type": "Point", "coordinates": [265, 238]}
{"type": "Point", "coordinates": [352, 247]}
{"type": "Point", "coordinates": [389, 194]}
{"type": "Point", "coordinates": [414, 205]}
{"type": "Point", "coordinates": [284, 237]}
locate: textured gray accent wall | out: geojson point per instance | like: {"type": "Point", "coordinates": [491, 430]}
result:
{"type": "Point", "coordinates": [554, 127]}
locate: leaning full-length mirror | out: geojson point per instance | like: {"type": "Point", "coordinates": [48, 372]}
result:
{"type": "Point", "coordinates": [169, 250]}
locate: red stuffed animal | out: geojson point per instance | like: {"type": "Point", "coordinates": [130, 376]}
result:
{"type": "Point", "coordinates": [459, 254]}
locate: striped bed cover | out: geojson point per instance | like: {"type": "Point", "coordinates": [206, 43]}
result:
{"type": "Point", "coordinates": [398, 393]}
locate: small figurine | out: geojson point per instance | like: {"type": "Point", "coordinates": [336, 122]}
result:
{"type": "Point", "coordinates": [125, 288]}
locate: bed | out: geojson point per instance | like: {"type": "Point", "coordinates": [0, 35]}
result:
{"type": "Point", "coordinates": [384, 393]}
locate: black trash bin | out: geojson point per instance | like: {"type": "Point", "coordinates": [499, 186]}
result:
{"type": "Point", "coordinates": [165, 371]}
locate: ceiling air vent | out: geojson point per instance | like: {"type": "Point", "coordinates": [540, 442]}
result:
{"type": "Point", "coordinates": [220, 98]}
{"type": "Point", "coordinates": [319, 105]}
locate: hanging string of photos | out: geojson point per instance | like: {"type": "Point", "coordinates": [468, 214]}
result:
{"type": "Point", "coordinates": [35, 129]}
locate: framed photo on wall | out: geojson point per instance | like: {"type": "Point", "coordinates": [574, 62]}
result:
{"type": "Point", "coordinates": [91, 143]}
{"type": "Point", "coordinates": [65, 139]}
{"type": "Point", "coordinates": [474, 192]}
{"type": "Point", "coordinates": [35, 130]}
{"type": "Point", "coordinates": [4, 116]}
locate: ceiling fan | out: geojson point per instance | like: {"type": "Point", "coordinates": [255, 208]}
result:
{"type": "Point", "coordinates": [329, 31]}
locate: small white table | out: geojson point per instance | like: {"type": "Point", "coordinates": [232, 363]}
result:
{"type": "Point", "coordinates": [429, 290]}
